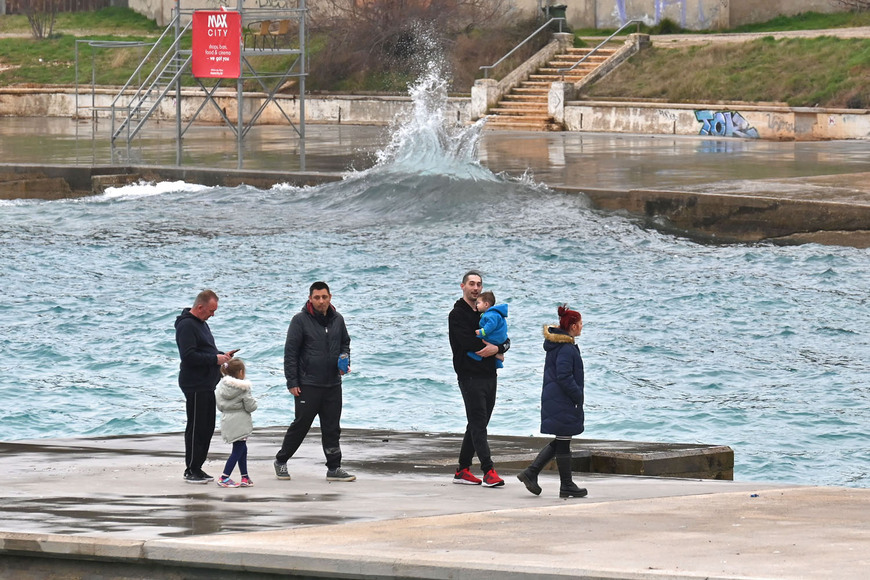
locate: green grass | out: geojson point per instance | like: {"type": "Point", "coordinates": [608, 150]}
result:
{"type": "Point", "coordinates": [800, 72]}
{"type": "Point", "coordinates": [113, 20]}
{"type": "Point", "coordinates": [809, 21]}
{"type": "Point", "coordinates": [52, 61]}
{"type": "Point", "coordinates": [823, 71]}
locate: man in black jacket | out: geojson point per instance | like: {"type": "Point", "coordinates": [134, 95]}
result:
{"type": "Point", "coordinates": [477, 381]}
{"type": "Point", "coordinates": [316, 355]}
{"type": "Point", "coordinates": [198, 375]}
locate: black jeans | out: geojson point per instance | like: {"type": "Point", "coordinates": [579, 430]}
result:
{"type": "Point", "coordinates": [199, 429]}
{"type": "Point", "coordinates": [478, 394]}
{"type": "Point", "coordinates": [314, 401]}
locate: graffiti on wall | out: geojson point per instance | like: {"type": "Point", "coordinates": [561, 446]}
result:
{"type": "Point", "coordinates": [652, 12]}
{"type": "Point", "coordinates": [725, 124]}
{"type": "Point", "coordinates": [660, 7]}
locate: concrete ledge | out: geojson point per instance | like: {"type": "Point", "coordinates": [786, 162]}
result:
{"type": "Point", "coordinates": [735, 217]}
{"type": "Point", "coordinates": [80, 181]}
{"type": "Point", "coordinates": [74, 546]}
{"type": "Point", "coordinates": [697, 461]}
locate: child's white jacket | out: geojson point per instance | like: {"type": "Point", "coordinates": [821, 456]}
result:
{"type": "Point", "coordinates": [234, 401]}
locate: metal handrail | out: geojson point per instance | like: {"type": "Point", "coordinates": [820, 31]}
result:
{"type": "Point", "coordinates": [603, 42]}
{"type": "Point", "coordinates": [137, 98]}
{"type": "Point", "coordinates": [487, 68]}
{"type": "Point", "coordinates": [144, 60]}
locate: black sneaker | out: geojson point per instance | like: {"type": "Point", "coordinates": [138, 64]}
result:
{"type": "Point", "coordinates": [190, 477]}
{"type": "Point", "coordinates": [281, 470]}
{"type": "Point", "coordinates": [204, 475]}
{"type": "Point", "coordinates": [339, 474]}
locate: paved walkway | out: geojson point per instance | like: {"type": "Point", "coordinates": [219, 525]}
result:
{"type": "Point", "coordinates": [671, 40]}
{"type": "Point", "coordinates": [119, 506]}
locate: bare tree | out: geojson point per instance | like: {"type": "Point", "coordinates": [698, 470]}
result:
{"type": "Point", "coordinates": [41, 15]}
{"type": "Point", "coordinates": [392, 38]}
{"type": "Point", "coordinates": [855, 5]}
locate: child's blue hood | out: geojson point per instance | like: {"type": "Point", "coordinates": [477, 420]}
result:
{"type": "Point", "coordinates": [500, 308]}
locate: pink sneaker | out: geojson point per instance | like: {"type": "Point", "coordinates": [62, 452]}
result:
{"type": "Point", "coordinates": [246, 482]}
{"type": "Point", "coordinates": [226, 482]}
{"type": "Point", "coordinates": [465, 477]}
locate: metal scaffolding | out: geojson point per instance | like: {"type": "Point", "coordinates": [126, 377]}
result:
{"type": "Point", "coordinates": [268, 33]}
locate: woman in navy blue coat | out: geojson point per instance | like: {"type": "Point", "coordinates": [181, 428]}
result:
{"type": "Point", "coordinates": [561, 402]}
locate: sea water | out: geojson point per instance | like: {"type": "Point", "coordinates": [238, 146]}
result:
{"type": "Point", "coordinates": [759, 347]}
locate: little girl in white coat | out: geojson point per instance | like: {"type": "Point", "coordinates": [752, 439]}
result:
{"type": "Point", "coordinates": [234, 401]}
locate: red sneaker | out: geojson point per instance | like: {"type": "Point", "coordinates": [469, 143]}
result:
{"type": "Point", "coordinates": [491, 479]}
{"type": "Point", "coordinates": [465, 477]}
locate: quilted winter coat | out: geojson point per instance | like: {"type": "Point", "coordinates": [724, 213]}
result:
{"type": "Point", "coordinates": [562, 395]}
{"type": "Point", "coordinates": [234, 401]}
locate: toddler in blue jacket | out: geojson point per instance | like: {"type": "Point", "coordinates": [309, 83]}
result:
{"type": "Point", "coordinates": [493, 326]}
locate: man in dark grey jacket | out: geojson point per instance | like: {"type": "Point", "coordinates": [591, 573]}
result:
{"type": "Point", "coordinates": [316, 355]}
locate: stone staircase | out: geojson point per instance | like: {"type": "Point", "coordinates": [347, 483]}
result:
{"type": "Point", "coordinates": [525, 106]}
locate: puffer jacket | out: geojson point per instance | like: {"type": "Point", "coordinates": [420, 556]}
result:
{"type": "Point", "coordinates": [314, 343]}
{"type": "Point", "coordinates": [562, 395]}
{"type": "Point", "coordinates": [235, 402]}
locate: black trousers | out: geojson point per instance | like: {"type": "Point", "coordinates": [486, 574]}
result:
{"type": "Point", "coordinates": [478, 394]}
{"type": "Point", "coordinates": [199, 429]}
{"type": "Point", "coordinates": [312, 402]}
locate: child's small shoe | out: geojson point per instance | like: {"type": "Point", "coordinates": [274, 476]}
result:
{"type": "Point", "coordinates": [225, 481]}
{"type": "Point", "coordinates": [246, 482]}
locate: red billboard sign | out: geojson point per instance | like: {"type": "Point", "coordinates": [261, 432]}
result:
{"type": "Point", "coordinates": [216, 44]}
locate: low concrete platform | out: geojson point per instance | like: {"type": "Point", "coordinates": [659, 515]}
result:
{"type": "Point", "coordinates": [118, 508]}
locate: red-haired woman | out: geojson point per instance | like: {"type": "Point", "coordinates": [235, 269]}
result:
{"type": "Point", "coordinates": [561, 402]}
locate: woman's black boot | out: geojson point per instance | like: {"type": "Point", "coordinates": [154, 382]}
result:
{"type": "Point", "coordinates": [568, 488]}
{"type": "Point", "coordinates": [529, 476]}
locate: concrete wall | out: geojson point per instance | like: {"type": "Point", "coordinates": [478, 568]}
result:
{"type": "Point", "coordinates": [691, 14]}
{"type": "Point", "coordinates": [161, 10]}
{"type": "Point", "coordinates": [728, 121]}
{"type": "Point", "coordinates": [326, 109]}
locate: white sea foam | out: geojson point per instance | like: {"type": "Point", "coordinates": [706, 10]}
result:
{"type": "Point", "coordinates": [149, 189]}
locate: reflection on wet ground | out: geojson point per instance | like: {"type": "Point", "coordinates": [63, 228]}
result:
{"type": "Point", "coordinates": [132, 486]}
{"type": "Point", "coordinates": [591, 160]}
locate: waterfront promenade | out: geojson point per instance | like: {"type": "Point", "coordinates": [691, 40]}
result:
{"type": "Point", "coordinates": [118, 508]}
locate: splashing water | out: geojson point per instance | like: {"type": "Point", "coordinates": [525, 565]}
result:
{"type": "Point", "coordinates": [427, 143]}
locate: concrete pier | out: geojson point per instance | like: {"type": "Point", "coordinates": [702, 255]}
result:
{"type": "Point", "coordinates": [118, 508]}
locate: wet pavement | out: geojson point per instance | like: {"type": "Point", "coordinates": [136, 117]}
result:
{"type": "Point", "coordinates": [559, 159]}
{"type": "Point", "coordinates": [131, 486]}
{"type": "Point", "coordinates": [120, 504]}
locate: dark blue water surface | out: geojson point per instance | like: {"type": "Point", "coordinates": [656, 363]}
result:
{"type": "Point", "coordinates": [759, 347]}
